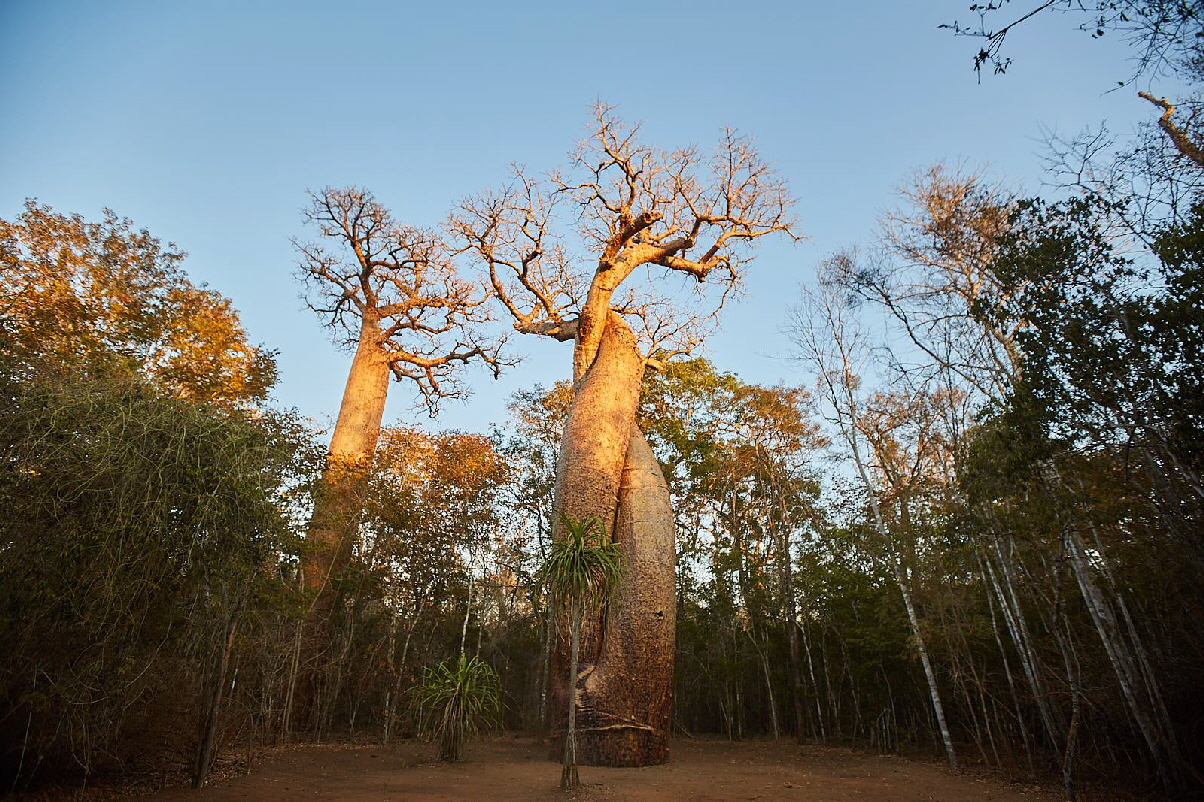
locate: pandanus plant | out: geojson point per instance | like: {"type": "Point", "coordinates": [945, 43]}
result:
{"type": "Point", "coordinates": [580, 573]}
{"type": "Point", "coordinates": [456, 699]}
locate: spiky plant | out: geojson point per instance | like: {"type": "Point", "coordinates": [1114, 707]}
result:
{"type": "Point", "coordinates": [457, 699]}
{"type": "Point", "coordinates": [581, 571]}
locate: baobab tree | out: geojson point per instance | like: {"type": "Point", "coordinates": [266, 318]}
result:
{"type": "Point", "coordinates": [636, 209]}
{"type": "Point", "coordinates": [391, 291]}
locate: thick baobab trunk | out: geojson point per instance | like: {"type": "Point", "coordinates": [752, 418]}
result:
{"type": "Point", "coordinates": [352, 443]}
{"type": "Point", "coordinates": [607, 471]}
{"type": "Point", "coordinates": [627, 700]}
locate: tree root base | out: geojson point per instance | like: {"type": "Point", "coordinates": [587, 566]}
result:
{"type": "Point", "coordinates": [617, 748]}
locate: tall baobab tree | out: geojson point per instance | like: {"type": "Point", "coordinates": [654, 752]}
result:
{"type": "Point", "coordinates": [391, 291]}
{"type": "Point", "coordinates": [636, 209]}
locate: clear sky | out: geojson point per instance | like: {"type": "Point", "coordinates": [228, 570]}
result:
{"type": "Point", "coordinates": [206, 122]}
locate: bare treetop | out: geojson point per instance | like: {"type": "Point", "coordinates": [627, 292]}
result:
{"type": "Point", "coordinates": [397, 285]}
{"type": "Point", "coordinates": [632, 205]}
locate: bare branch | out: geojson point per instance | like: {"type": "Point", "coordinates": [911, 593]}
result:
{"type": "Point", "coordinates": [397, 285]}
{"type": "Point", "coordinates": [1177, 136]}
{"type": "Point", "coordinates": [632, 206]}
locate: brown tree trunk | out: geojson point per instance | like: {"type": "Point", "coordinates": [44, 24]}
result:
{"type": "Point", "coordinates": [213, 702]}
{"type": "Point", "coordinates": [607, 471]}
{"type": "Point", "coordinates": [790, 614]}
{"type": "Point", "coordinates": [356, 432]}
{"type": "Point", "coordinates": [337, 507]}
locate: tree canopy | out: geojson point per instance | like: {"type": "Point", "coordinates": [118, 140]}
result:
{"type": "Point", "coordinates": [97, 297]}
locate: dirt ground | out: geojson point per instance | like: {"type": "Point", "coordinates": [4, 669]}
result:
{"type": "Point", "coordinates": [514, 768]}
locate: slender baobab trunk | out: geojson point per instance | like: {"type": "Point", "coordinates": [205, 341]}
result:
{"type": "Point", "coordinates": [607, 471]}
{"type": "Point", "coordinates": [356, 433]}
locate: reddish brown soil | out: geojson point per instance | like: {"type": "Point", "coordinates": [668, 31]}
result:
{"type": "Point", "coordinates": [514, 768]}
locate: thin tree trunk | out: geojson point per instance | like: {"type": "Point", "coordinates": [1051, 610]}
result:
{"type": "Point", "coordinates": [880, 523]}
{"type": "Point", "coordinates": [929, 674]}
{"type": "Point", "coordinates": [1013, 616]}
{"type": "Point", "coordinates": [1072, 731]}
{"type": "Point", "coordinates": [569, 778]}
{"type": "Point", "coordinates": [467, 612]}
{"type": "Point", "coordinates": [833, 697]}
{"type": "Point", "coordinates": [773, 707]}
{"type": "Point", "coordinates": [1007, 672]}
{"type": "Point", "coordinates": [395, 693]}
{"type": "Point", "coordinates": [213, 704]}
{"type": "Point", "coordinates": [790, 613]}
{"type": "Point", "coordinates": [290, 694]}
{"type": "Point", "coordinates": [391, 665]}
{"type": "Point", "coordinates": [1122, 664]}
{"type": "Point", "coordinates": [545, 672]}
{"type": "Point", "coordinates": [819, 712]}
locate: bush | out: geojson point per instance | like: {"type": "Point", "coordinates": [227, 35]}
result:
{"type": "Point", "coordinates": [456, 699]}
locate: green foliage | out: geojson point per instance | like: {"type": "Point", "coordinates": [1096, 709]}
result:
{"type": "Point", "coordinates": [583, 566]}
{"type": "Point", "coordinates": [456, 700]}
{"type": "Point", "coordinates": [133, 527]}
{"type": "Point", "coordinates": [580, 572]}
{"type": "Point", "coordinates": [1108, 341]}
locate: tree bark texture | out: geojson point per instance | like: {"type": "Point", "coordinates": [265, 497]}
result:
{"type": "Point", "coordinates": [356, 433]}
{"type": "Point", "coordinates": [623, 686]}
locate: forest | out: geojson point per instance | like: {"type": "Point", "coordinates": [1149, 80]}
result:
{"type": "Point", "coordinates": [969, 532]}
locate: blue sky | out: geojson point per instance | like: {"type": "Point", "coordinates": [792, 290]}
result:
{"type": "Point", "coordinates": [206, 122]}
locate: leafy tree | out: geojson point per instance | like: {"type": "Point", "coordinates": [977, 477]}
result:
{"type": "Point", "coordinates": [1108, 340]}
{"type": "Point", "coordinates": [531, 446]}
{"type": "Point", "coordinates": [830, 340]}
{"type": "Point", "coordinates": [431, 510]}
{"type": "Point", "coordinates": [135, 529]}
{"type": "Point", "coordinates": [97, 298]}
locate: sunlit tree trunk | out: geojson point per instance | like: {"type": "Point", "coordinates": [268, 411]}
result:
{"type": "Point", "coordinates": [356, 433]}
{"type": "Point", "coordinates": [607, 471]}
